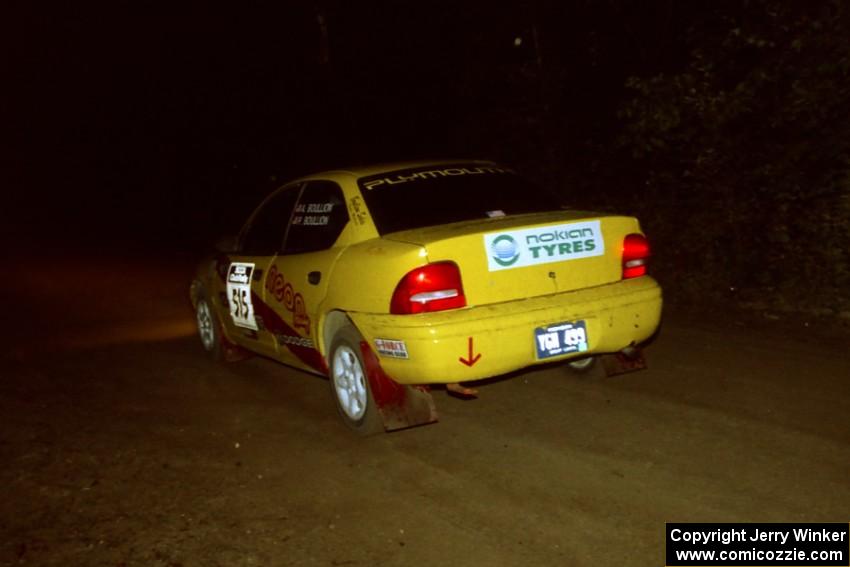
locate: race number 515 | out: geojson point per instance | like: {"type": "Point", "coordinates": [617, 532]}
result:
{"type": "Point", "coordinates": [239, 294]}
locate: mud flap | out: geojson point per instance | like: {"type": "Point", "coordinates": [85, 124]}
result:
{"type": "Point", "coordinates": [401, 406]}
{"type": "Point", "coordinates": [621, 363]}
{"type": "Point", "coordinates": [233, 352]}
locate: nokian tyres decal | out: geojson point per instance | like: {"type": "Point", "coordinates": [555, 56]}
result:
{"type": "Point", "coordinates": [505, 251]}
{"type": "Point", "coordinates": [543, 245]}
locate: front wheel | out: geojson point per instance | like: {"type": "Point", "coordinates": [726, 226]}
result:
{"type": "Point", "coordinates": [350, 384]}
{"type": "Point", "coordinates": [208, 330]}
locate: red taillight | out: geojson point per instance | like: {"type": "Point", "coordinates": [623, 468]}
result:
{"type": "Point", "coordinates": [433, 287]}
{"type": "Point", "coordinates": [635, 255]}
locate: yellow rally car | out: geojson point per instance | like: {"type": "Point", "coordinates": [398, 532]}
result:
{"type": "Point", "coordinates": [391, 278]}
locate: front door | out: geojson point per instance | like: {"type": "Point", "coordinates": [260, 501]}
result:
{"type": "Point", "coordinates": [250, 320]}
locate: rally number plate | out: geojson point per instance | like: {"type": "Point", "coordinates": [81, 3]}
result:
{"type": "Point", "coordinates": [561, 338]}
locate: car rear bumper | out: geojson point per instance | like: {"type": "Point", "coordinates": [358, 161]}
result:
{"type": "Point", "coordinates": [443, 347]}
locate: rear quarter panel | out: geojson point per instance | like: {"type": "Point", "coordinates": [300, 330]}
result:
{"type": "Point", "coordinates": [366, 274]}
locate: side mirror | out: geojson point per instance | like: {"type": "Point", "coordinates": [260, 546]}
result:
{"type": "Point", "coordinates": [227, 244]}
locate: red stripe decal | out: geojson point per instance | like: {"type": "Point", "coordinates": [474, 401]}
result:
{"type": "Point", "coordinates": [277, 326]}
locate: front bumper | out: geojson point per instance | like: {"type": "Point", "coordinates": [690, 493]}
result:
{"type": "Point", "coordinates": [438, 344]}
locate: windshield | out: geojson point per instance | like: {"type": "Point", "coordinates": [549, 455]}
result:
{"type": "Point", "coordinates": [436, 194]}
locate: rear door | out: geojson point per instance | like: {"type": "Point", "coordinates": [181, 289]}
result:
{"type": "Point", "coordinates": [302, 271]}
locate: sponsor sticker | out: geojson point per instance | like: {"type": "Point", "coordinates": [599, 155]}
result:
{"type": "Point", "coordinates": [294, 340]}
{"type": "Point", "coordinates": [391, 348]}
{"type": "Point", "coordinates": [239, 295]}
{"type": "Point", "coordinates": [357, 210]}
{"type": "Point", "coordinates": [281, 289]}
{"type": "Point", "coordinates": [543, 245]}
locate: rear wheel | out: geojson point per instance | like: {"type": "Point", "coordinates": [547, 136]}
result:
{"type": "Point", "coordinates": [582, 365]}
{"type": "Point", "coordinates": [208, 330]}
{"type": "Point", "coordinates": [350, 384]}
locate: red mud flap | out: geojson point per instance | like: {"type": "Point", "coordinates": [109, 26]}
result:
{"type": "Point", "coordinates": [622, 363]}
{"type": "Point", "coordinates": [400, 405]}
{"type": "Point", "coordinates": [233, 352]}
{"type": "Point", "coordinates": [460, 391]}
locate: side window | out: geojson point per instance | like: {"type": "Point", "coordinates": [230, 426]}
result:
{"type": "Point", "coordinates": [318, 220]}
{"type": "Point", "coordinates": [264, 236]}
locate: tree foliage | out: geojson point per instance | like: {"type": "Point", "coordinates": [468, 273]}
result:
{"type": "Point", "coordinates": [745, 154]}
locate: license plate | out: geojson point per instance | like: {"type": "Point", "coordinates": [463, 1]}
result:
{"type": "Point", "coordinates": [561, 338]}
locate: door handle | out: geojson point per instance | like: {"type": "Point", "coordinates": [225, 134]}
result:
{"type": "Point", "coordinates": [314, 277]}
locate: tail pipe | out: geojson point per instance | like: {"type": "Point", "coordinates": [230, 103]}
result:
{"type": "Point", "coordinates": [629, 359]}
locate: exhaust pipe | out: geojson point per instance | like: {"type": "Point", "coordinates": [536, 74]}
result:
{"type": "Point", "coordinates": [631, 352]}
{"type": "Point", "coordinates": [628, 359]}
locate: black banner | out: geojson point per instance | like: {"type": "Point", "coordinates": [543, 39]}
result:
{"type": "Point", "coordinates": [758, 544]}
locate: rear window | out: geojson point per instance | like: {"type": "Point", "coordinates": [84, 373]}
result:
{"type": "Point", "coordinates": [435, 195]}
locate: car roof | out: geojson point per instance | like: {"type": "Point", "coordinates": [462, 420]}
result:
{"type": "Point", "coordinates": [374, 169]}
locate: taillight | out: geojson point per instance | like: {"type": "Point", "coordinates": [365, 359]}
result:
{"type": "Point", "coordinates": [635, 255]}
{"type": "Point", "coordinates": [433, 287]}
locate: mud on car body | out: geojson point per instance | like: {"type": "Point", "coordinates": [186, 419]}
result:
{"type": "Point", "coordinates": [392, 278]}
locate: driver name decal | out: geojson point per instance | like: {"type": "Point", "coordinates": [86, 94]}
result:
{"type": "Point", "coordinates": [312, 214]}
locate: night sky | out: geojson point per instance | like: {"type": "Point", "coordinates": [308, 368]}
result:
{"type": "Point", "coordinates": [165, 123]}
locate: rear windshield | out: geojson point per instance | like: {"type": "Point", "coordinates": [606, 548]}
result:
{"type": "Point", "coordinates": [435, 195]}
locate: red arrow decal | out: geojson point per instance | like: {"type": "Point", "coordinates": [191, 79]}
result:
{"type": "Point", "coordinates": [472, 359]}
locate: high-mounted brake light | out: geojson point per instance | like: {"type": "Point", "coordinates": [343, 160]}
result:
{"type": "Point", "coordinates": [433, 287]}
{"type": "Point", "coordinates": [635, 255]}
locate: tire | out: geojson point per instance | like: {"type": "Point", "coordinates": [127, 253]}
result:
{"type": "Point", "coordinates": [350, 384]}
{"type": "Point", "coordinates": [208, 329]}
{"type": "Point", "coordinates": [582, 365]}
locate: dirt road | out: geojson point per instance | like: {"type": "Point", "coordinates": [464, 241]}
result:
{"type": "Point", "coordinates": [123, 445]}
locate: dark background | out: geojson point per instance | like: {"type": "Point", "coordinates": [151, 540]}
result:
{"type": "Point", "coordinates": [155, 127]}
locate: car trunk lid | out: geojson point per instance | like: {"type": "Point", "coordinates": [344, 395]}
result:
{"type": "Point", "coordinates": [522, 256]}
